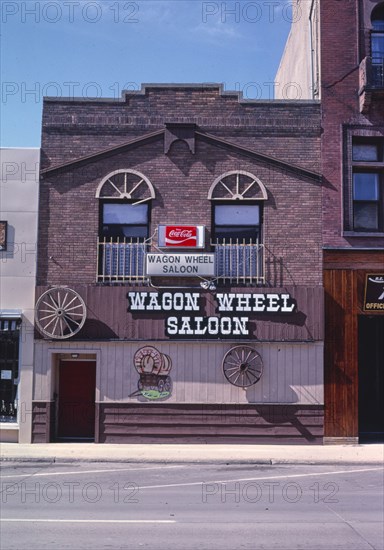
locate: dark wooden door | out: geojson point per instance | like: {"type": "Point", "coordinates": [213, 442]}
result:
{"type": "Point", "coordinates": [371, 378]}
{"type": "Point", "coordinates": [76, 414]}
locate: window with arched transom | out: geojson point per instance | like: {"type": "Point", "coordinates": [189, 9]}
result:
{"type": "Point", "coordinates": [124, 223]}
{"type": "Point", "coordinates": [237, 215]}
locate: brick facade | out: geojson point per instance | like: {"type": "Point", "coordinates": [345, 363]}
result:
{"type": "Point", "coordinates": [341, 55]}
{"type": "Point", "coordinates": [351, 106]}
{"type": "Point", "coordinates": [290, 133]}
{"type": "Point", "coordinates": [182, 138]}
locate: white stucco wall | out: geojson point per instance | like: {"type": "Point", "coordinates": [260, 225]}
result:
{"type": "Point", "coordinates": [294, 77]}
{"type": "Point", "coordinates": [19, 188]}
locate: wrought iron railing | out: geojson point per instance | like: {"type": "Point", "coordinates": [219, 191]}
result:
{"type": "Point", "coordinates": [121, 260]}
{"type": "Point", "coordinates": [377, 74]}
{"type": "Point", "coordinates": [371, 73]}
{"type": "Point", "coordinates": [239, 261]}
{"type": "Point", "coordinates": [236, 261]}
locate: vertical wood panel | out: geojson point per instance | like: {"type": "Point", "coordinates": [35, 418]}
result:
{"type": "Point", "coordinates": [119, 368]}
{"type": "Point", "coordinates": [341, 364]}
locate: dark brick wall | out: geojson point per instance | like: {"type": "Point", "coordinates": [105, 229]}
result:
{"type": "Point", "coordinates": [69, 210]}
{"type": "Point", "coordinates": [342, 48]}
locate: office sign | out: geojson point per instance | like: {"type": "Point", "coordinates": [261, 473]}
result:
{"type": "Point", "coordinates": [374, 292]}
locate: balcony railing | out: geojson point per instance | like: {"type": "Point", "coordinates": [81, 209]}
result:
{"type": "Point", "coordinates": [239, 262]}
{"type": "Point", "coordinates": [121, 260]}
{"type": "Point", "coordinates": [378, 75]}
{"type": "Point", "coordinates": [371, 73]}
{"type": "Point", "coordinates": [236, 261]}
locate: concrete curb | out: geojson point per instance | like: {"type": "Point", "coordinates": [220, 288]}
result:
{"type": "Point", "coordinates": [192, 454]}
{"type": "Point", "coordinates": [249, 462]}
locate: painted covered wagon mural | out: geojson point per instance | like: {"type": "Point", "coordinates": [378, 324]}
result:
{"type": "Point", "coordinates": [154, 368]}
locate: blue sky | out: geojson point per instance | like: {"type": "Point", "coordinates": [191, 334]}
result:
{"type": "Point", "coordinates": [97, 48]}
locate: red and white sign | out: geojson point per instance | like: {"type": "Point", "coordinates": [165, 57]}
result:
{"type": "Point", "coordinates": [183, 236]}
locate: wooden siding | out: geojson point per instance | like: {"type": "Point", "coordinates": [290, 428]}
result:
{"type": "Point", "coordinates": [108, 316]}
{"type": "Point", "coordinates": [354, 259]}
{"type": "Point", "coordinates": [126, 423]}
{"type": "Point", "coordinates": [293, 373]}
{"type": "Point", "coordinates": [43, 418]}
{"type": "Point", "coordinates": [344, 295]}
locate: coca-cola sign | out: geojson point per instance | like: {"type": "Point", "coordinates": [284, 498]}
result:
{"type": "Point", "coordinates": [182, 236]}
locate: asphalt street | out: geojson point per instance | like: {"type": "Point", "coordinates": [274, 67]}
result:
{"type": "Point", "coordinates": [167, 507]}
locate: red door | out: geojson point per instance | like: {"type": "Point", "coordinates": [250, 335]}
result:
{"type": "Point", "coordinates": [76, 415]}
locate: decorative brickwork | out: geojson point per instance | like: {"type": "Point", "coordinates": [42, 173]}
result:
{"type": "Point", "coordinates": [245, 135]}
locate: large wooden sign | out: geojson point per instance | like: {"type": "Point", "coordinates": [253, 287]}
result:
{"type": "Point", "coordinates": [234, 311]}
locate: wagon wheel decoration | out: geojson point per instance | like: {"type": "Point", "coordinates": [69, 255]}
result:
{"type": "Point", "coordinates": [242, 366]}
{"type": "Point", "coordinates": [60, 313]}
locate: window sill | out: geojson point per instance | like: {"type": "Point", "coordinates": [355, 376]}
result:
{"type": "Point", "coordinates": [362, 234]}
{"type": "Point", "coordinates": [9, 426]}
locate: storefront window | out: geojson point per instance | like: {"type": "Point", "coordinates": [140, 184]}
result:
{"type": "Point", "coordinates": [9, 369]}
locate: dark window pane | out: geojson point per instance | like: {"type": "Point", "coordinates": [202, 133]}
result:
{"type": "Point", "coordinates": [234, 233]}
{"type": "Point", "coordinates": [366, 216]}
{"type": "Point", "coordinates": [377, 17]}
{"type": "Point", "coordinates": [377, 47]}
{"type": "Point", "coordinates": [124, 213]}
{"type": "Point", "coordinates": [237, 214]}
{"type": "Point", "coordinates": [127, 231]}
{"type": "Point", "coordinates": [366, 186]}
{"type": "Point", "coordinates": [135, 231]}
{"type": "Point", "coordinates": [365, 152]}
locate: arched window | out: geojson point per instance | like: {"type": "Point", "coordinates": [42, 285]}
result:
{"type": "Point", "coordinates": [124, 208]}
{"type": "Point", "coordinates": [125, 197]}
{"type": "Point", "coordinates": [237, 213]}
{"type": "Point", "coordinates": [237, 207]}
{"type": "Point", "coordinates": [377, 45]}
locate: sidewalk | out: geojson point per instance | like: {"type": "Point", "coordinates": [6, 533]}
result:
{"type": "Point", "coordinates": [199, 453]}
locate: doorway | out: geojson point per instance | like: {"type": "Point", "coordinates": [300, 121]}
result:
{"type": "Point", "coordinates": [371, 379]}
{"type": "Point", "coordinates": [76, 400]}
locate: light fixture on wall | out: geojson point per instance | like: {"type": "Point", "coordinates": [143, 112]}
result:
{"type": "Point", "coordinates": [74, 355]}
{"type": "Point", "coordinates": [208, 285]}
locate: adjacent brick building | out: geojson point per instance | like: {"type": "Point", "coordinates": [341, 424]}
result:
{"type": "Point", "coordinates": [180, 269]}
{"type": "Point", "coordinates": [344, 68]}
